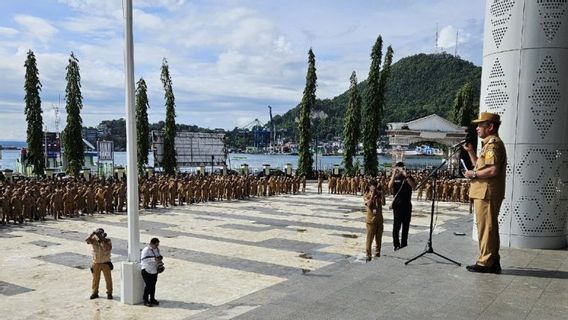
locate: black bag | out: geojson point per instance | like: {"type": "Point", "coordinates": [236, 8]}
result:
{"type": "Point", "coordinates": [160, 265]}
{"type": "Point", "coordinates": [110, 265]}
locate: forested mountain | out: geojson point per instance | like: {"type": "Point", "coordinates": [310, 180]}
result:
{"type": "Point", "coordinates": [419, 85]}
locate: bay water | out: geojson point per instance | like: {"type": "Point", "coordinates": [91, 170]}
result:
{"type": "Point", "coordinates": [255, 161]}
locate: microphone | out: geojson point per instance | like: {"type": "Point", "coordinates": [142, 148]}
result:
{"type": "Point", "coordinates": [461, 143]}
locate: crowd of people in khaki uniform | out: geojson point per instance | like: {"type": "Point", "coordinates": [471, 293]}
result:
{"type": "Point", "coordinates": [31, 199]}
{"type": "Point", "coordinates": [448, 189]}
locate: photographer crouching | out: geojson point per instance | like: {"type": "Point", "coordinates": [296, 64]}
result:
{"type": "Point", "coordinates": [401, 183]}
{"type": "Point", "coordinates": [101, 248]}
{"type": "Point", "coordinates": [374, 200]}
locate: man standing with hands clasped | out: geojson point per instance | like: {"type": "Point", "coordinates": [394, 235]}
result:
{"type": "Point", "coordinates": [487, 190]}
{"type": "Point", "coordinates": [101, 248]}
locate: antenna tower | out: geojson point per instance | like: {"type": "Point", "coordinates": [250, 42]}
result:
{"type": "Point", "coordinates": [456, 49]}
{"type": "Point", "coordinates": [436, 43]}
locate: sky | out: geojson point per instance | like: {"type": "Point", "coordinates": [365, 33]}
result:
{"type": "Point", "coordinates": [228, 59]}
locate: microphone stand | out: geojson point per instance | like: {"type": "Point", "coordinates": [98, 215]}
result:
{"type": "Point", "coordinates": [434, 175]}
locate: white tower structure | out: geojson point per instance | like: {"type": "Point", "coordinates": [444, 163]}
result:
{"type": "Point", "coordinates": [525, 80]}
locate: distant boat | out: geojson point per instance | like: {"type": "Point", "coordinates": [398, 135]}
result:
{"type": "Point", "coordinates": [412, 153]}
{"type": "Point", "coordinates": [427, 150]}
{"type": "Point", "coordinates": [418, 151]}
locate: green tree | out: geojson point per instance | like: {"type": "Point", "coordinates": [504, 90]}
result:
{"type": "Point", "coordinates": [376, 87]}
{"type": "Point", "coordinates": [169, 162]}
{"type": "Point", "coordinates": [464, 111]}
{"type": "Point", "coordinates": [33, 113]}
{"type": "Point", "coordinates": [305, 160]}
{"type": "Point", "coordinates": [72, 140]}
{"type": "Point", "coordinates": [383, 82]}
{"type": "Point", "coordinates": [351, 125]}
{"type": "Point", "coordinates": [142, 126]}
{"type": "Point", "coordinates": [464, 108]}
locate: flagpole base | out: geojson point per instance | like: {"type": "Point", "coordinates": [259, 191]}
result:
{"type": "Point", "coordinates": [132, 284]}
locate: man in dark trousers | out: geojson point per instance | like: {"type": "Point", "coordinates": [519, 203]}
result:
{"type": "Point", "coordinates": [401, 184]}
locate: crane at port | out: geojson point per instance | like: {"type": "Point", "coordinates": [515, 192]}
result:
{"type": "Point", "coordinates": [273, 127]}
{"type": "Point", "coordinates": [258, 132]}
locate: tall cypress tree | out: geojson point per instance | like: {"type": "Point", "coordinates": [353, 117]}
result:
{"type": "Point", "coordinates": [33, 113]}
{"type": "Point", "coordinates": [169, 162]}
{"type": "Point", "coordinates": [371, 125]}
{"type": "Point", "coordinates": [305, 160]}
{"type": "Point", "coordinates": [351, 125]}
{"type": "Point", "coordinates": [72, 140]}
{"type": "Point", "coordinates": [375, 100]}
{"type": "Point", "coordinates": [142, 126]}
{"type": "Point", "coordinates": [384, 77]}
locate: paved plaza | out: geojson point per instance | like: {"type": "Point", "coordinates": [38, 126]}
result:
{"type": "Point", "coordinates": [285, 257]}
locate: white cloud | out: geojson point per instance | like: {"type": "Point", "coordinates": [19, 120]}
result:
{"type": "Point", "coordinates": [92, 25]}
{"type": "Point", "coordinates": [8, 31]}
{"type": "Point", "coordinates": [37, 27]}
{"type": "Point", "coordinates": [171, 5]}
{"type": "Point", "coordinates": [147, 21]}
{"type": "Point", "coordinates": [96, 7]}
{"type": "Point", "coordinates": [447, 37]}
{"type": "Point", "coordinates": [12, 126]}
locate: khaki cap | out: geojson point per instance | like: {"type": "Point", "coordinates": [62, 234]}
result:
{"type": "Point", "coordinates": [487, 116]}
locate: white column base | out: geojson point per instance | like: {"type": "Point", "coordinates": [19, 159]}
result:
{"type": "Point", "coordinates": [132, 284]}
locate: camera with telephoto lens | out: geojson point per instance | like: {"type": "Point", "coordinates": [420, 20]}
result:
{"type": "Point", "coordinates": [100, 232]}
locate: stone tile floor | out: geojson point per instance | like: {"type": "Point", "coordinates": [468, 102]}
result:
{"type": "Point", "coordinates": [287, 257]}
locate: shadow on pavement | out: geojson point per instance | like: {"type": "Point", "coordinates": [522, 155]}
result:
{"type": "Point", "coordinates": [537, 273]}
{"type": "Point", "coordinates": [171, 304]}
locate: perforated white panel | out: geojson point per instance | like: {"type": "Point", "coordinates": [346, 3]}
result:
{"type": "Point", "coordinates": [528, 87]}
{"type": "Point", "coordinates": [543, 97]}
{"type": "Point", "coordinates": [538, 202]}
{"type": "Point", "coordinates": [549, 18]}
{"type": "Point", "coordinates": [502, 25]}
{"type": "Point", "coordinates": [499, 78]}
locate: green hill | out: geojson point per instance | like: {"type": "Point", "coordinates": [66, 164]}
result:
{"type": "Point", "coordinates": [419, 86]}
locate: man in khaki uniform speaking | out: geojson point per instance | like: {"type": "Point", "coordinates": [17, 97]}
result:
{"type": "Point", "coordinates": [487, 190]}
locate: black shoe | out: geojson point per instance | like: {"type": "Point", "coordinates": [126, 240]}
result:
{"type": "Point", "coordinates": [378, 254]}
{"type": "Point", "coordinates": [109, 296]}
{"type": "Point", "coordinates": [155, 302]}
{"type": "Point", "coordinates": [495, 268]}
{"type": "Point", "coordinates": [94, 296]}
{"type": "Point", "coordinates": [477, 268]}
{"type": "Point", "coordinates": [147, 304]}
{"type": "Point", "coordinates": [368, 258]}
{"type": "Point", "coordinates": [396, 248]}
